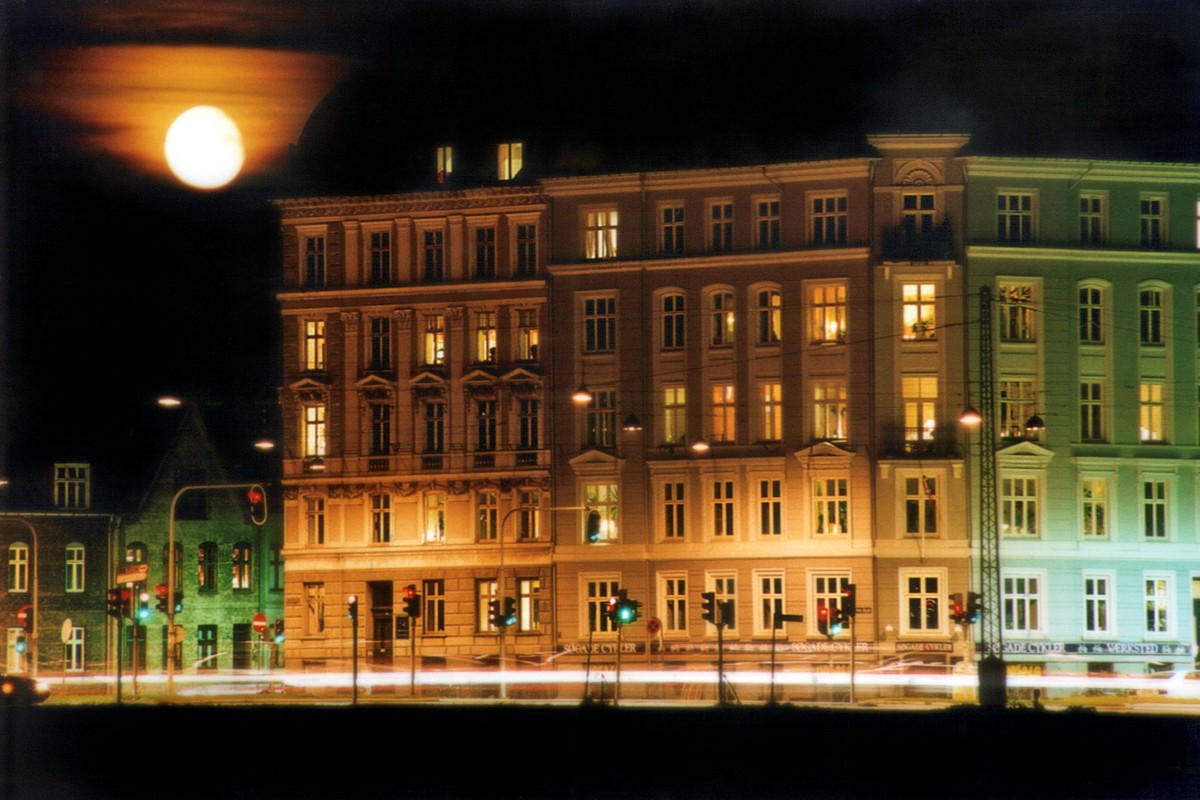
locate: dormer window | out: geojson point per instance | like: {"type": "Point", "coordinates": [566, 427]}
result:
{"type": "Point", "coordinates": [445, 163]}
{"type": "Point", "coordinates": [508, 160]}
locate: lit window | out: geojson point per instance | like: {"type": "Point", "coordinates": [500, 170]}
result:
{"type": "Point", "coordinates": [723, 419]}
{"type": "Point", "coordinates": [829, 220]}
{"type": "Point", "coordinates": [241, 566]}
{"type": "Point", "coordinates": [529, 604]}
{"type": "Point", "coordinates": [485, 592]}
{"type": "Point", "coordinates": [434, 347]}
{"type": "Point", "coordinates": [314, 344]}
{"type": "Point", "coordinates": [206, 566]}
{"type": "Point", "coordinates": [829, 410]}
{"type": "Point", "coordinates": [771, 395]}
{"type": "Point", "coordinates": [827, 593]}
{"type": "Point", "coordinates": [314, 431]}
{"type": "Point", "coordinates": [527, 334]}
{"type": "Point", "coordinates": [1016, 403]}
{"type": "Point", "coordinates": [445, 163]}
{"type": "Point", "coordinates": [1157, 594]}
{"type": "Point", "coordinates": [1017, 313]}
{"type": "Point", "coordinates": [674, 414]}
{"type": "Point", "coordinates": [827, 314]}
{"type": "Point", "coordinates": [433, 617]}
{"type": "Point", "coordinates": [920, 394]}
{"type": "Point", "coordinates": [600, 234]}
{"type": "Point", "coordinates": [1093, 496]}
{"type": "Point", "coordinates": [831, 506]}
{"type": "Point", "coordinates": [721, 319]}
{"type": "Point", "coordinates": [314, 608]}
{"type": "Point", "coordinates": [485, 337]}
{"type": "Point", "coordinates": [1150, 412]}
{"type": "Point", "coordinates": [381, 518]}
{"type": "Point", "coordinates": [508, 160]}
{"type": "Point", "coordinates": [601, 498]}
{"type": "Point", "coordinates": [1014, 217]}
{"type": "Point", "coordinates": [919, 311]}
{"type": "Point", "coordinates": [435, 517]}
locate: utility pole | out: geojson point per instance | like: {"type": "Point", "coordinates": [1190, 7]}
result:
{"type": "Point", "coordinates": [993, 688]}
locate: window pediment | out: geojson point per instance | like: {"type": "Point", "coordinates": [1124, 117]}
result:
{"type": "Point", "coordinates": [1024, 455]}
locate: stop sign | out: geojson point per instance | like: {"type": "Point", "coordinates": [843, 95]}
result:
{"type": "Point", "coordinates": [260, 622]}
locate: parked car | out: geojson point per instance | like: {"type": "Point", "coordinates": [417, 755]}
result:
{"type": "Point", "coordinates": [19, 690]}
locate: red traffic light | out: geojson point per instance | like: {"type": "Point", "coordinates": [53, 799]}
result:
{"type": "Point", "coordinates": [823, 613]}
{"type": "Point", "coordinates": [410, 591]}
{"type": "Point", "coordinates": [255, 495]}
{"type": "Point", "coordinates": [25, 617]}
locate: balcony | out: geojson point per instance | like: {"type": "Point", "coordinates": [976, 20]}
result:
{"type": "Point", "coordinates": [904, 244]}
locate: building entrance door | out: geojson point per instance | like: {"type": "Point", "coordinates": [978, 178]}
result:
{"type": "Point", "coordinates": [381, 636]}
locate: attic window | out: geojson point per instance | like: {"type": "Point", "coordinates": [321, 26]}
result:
{"type": "Point", "coordinates": [508, 160]}
{"type": "Point", "coordinates": [72, 485]}
{"type": "Point", "coordinates": [445, 163]}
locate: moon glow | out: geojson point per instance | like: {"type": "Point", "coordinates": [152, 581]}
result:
{"type": "Point", "coordinates": [204, 147]}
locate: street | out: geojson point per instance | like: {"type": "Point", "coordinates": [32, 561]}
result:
{"type": "Point", "coordinates": [529, 751]}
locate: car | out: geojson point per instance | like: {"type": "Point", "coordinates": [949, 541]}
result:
{"type": "Point", "coordinates": [1181, 683]}
{"type": "Point", "coordinates": [20, 690]}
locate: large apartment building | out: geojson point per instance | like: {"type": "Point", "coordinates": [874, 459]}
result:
{"type": "Point", "coordinates": [743, 381]}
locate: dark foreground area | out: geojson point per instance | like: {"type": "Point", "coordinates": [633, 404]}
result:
{"type": "Point", "coordinates": [563, 752]}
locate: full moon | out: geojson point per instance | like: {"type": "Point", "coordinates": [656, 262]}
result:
{"type": "Point", "coordinates": [204, 147]}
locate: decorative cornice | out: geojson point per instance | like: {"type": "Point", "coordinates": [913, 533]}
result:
{"type": "Point", "coordinates": [398, 204]}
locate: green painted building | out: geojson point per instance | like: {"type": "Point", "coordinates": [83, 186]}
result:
{"type": "Point", "coordinates": [1094, 274]}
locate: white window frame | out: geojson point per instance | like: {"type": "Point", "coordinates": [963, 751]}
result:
{"type": "Point", "coordinates": [75, 568]}
{"type": "Point", "coordinates": [672, 515]}
{"type": "Point", "coordinates": [831, 496]}
{"type": "Point", "coordinates": [825, 589]}
{"type": "Point", "coordinates": [1095, 510]}
{"type": "Point", "coordinates": [600, 229]}
{"type": "Point", "coordinates": [724, 584]}
{"type": "Point", "coordinates": [769, 597]}
{"type": "Point", "coordinates": [1105, 596]}
{"type": "Point", "coordinates": [433, 508]}
{"type": "Point", "coordinates": [923, 594]}
{"type": "Point", "coordinates": [1019, 602]}
{"type": "Point", "coordinates": [770, 506]}
{"type": "Point", "coordinates": [594, 592]}
{"type": "Point", "coordinates": [1015, 500]}
{"type": "Point", "coordinates": [723, 519]}
{"type": "Point", "coordinates": [673, 603]}
{"type": "Point", "coordinates": [827, 313]}
{"type": "Point", "coordinates": [605, 499]}
{"type": "Point", "coordinates": [1158, 598]}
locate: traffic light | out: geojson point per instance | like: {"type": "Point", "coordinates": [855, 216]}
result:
{"type": "Point", "coordinates": [352, 607]}
{"type": "Point", "coordinates": [143, 609]}
{"type": "Point", "coordinates": [178, 601]}
{"type": "Point", "coordinates": [412, 601]}
{"type": "Point", "coordinates": [823, 619]}
{"type": "Point", "coordinates": [494, 614]}
{"type": "Point", "coordinates": [25, 617]}
{"type": "Point", "coordinates": [22, 645]}
{"type": "Point", "coordinates": [279, 631]}
{"type": "Point", "coordinates": [592, 528]}
{"type": "Point", "coordinates": [849, 604]}
{"type": "Point", "coordinates": [508, 617]}
{"type": "Point", "coordinates": [115, 605]}
{"type": "Point", "coordinates": [958, 614]}
{"type": "Point", "coordinates": [837, 621]}
{"type": "Point", "coordinates": [708, 607]}
{"type": "Point", "coordinates": [258, 504]}
{"type": "Point", "coordinates": [160, 591]}
{"type": "Point", "coordinates": [974, 607]}
{"type": "Point", "coordinates": [622, 609]}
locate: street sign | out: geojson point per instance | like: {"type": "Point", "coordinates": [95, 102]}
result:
{"type": "Point", "coordinates": [790, 617]}
{"type": "Point", "coordinates": [260, 622]}
{"type": "Point", "coordinates": [401, 627]}
{"type": "Point", "coordinates": [175, 634]}
{"type": "Point", "coordinates": [67, 627]}
{"type": "Point", "coordinates": [653, 625]}
{"type": "Point", "coordinates": [133, 573]}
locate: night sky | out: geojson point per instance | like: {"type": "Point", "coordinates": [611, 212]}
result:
{"type": "Point", "coordinates": [120, 284]}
